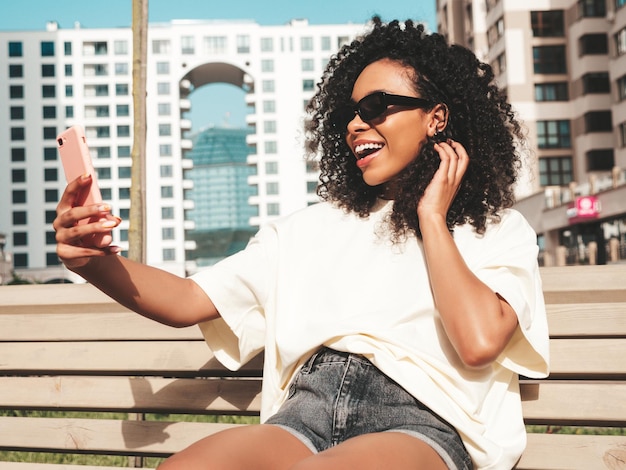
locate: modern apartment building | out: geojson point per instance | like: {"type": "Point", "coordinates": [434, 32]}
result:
{"type": "Point", "coordinates": [53, 78]}
{"type": "Point", "coordinates": [563, 66]}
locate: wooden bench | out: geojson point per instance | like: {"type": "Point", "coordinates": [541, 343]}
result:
{"type": "Point", "coordinates": [69, 348]}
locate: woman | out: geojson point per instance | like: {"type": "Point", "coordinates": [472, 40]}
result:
{"type": "Point", "coordinates": [396, 315]}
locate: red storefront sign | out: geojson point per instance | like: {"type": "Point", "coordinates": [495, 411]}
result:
{"type": "Point", "coordinates": [583, 208]}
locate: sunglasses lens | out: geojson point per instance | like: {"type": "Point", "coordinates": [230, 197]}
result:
{"type": "Point", "coordinates": [372, 106]}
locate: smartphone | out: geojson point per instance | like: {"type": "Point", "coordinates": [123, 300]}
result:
{"type": "Point", "coordinates": [76, 160]}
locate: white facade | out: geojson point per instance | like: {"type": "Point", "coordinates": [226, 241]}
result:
{"type": "Point", "coordinates": [81, 76]}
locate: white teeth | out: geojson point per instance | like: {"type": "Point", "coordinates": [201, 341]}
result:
{"type": "Point", "coordinates": [369, 146]}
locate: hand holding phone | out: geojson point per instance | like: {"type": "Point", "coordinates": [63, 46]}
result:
{"type": "Point", "coordinates": [76, 160]}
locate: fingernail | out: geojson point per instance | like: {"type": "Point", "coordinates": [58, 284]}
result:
{"type": "Point", "coordinates": [86, 176]}
{"type": "Point", "coordinates": [119, 219]}
{"type": "Point", "coordinates": [104, 208]}
{"type": "Point", "coordinates": [109, 224]}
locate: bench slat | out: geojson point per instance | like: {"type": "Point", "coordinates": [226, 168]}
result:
{"type": "Point", "coordinates": [169, 358]}
{"type": "Point", "coordinates": [554, 402]}
{"type": "Point", "coordinates": [599, 357]}
{"type": "Point", "coordinates": [104, 436]}
{"type": "Point", "coordinates": [100, 326]}
{"type": "Point", "coordinates": [570, 451]}
{"type": "Point", "coordinates": [145, 394]}
{"type": "Point", "coordinates": [588, 319]}
{"type": "Point", "coordinates": [591, 357]}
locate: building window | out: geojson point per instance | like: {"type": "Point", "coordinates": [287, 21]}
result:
{"type": "Point", "coordinates": [16, 71]}
{"type": "Point", "coordinates": [69, 111]}
{"type": "Point", "coordinates": [169, 254]}
{"type": "Point", "coordinates": [51, 195]}
{"type": "Point", "coordinates": [215, 44]}
{"type": "Point", "coordinates": [67, 48]}
{"type": "Point", "coordinates": [120, 47]}
{"type": "Point", "coordinates": [20, 238]}
{"type": "Point", "coordinates": [165, 130]}
{"type": "Point", "coordinates": [269, 127]}
{"type": "Point", "coordinates": [167, 192]}
{"type": "Point", "coordinates": [271, 168]}
{"type": "Point", "coordinates": [50, 216]}
{"type": "Point", "coordinates": [103, 173]}
{"type": "Point", "coordinates": [162, 68]}
{"type": "Point", "coordinates": [18, 154]}
{"type": "Point", "coordinates": [47, 49]}
{"type": "Point", "coordinates": [547, 23]}
{"type": "Point", "coordinates": [495, 32]}
{"type": "Point", "coordinates": [591, 8]}
{"type": "Point", "coordinates": [50, 237]}
{"type": "Point", "coordinates": [269, 106]}
{"type": "Point", "coordinates": [50, 174]}
{"type": "Point", "coordinates": [163, 88]}
{"type": "Point", "coordinates": [18, 196]}
{"type": "Point", "coordinates": [165, 150]}
{"type": "Point", "coordinates": [308, 85]}
{"type": "Point", "coordinates": [555, 171]}
{"type": "Point", "coordinates": [48, 91]}
{"type": "Point", "coordinates": [306, 44]}
{"type": "Point", "coordinates": [166, 171]}
{"type": "Point", "coordinates": [121, 89]}
{"type": "Point", "coordinates": [100, 152]}
{"type": "Point", "coordinates": [598, 121]}
{"type": "Point", "coordinates": [15, 49]}
{"type": "Point", "coordinates": [271, 147]}
{"type": "Point", "coordinates": [556, 91]}
{"type": "Point", "coordinates": [121, 68]}
{"type": "Point", "coordinates": [52, 259]}
{"type": "Point", "coordinates": [243, 44]}
{"type": "Point", "coordinates": [267, 86]}
{"type": "Point", "coordinates": [123, 194]}
{"type": "Point", "coordinates": [161, 46]}
{"type": "Point", "coordinates": [20, 218]}
{"type": "Point", "coordinates": [69, 91]}
{"type": "Point", "coordinates": [267, 44]}
{"type": "Point", "coordinates": [271, 189]}
{"type": "Point", "coordinates": [122, 110]}
{"type": "Point", "coordinates": [68, 70]}
{"type": "Point", "coordinates": [95, 48]}
{"type": "Point", "coordinates": [49, 133]}
{"type": "Point", "coordinates": [167, 233]}
{"type": "Point", "coordinates": [123, 151]}
{"type": "Point", "coordinates": [18, 134]}
{"type": "Point", "coordinates": [16, 91]}
{"type": "Point", "coordinates": [597, 82]}
{"type": "Point", "coordinates": [17, 113]}
{"type": "Point", "coordinates": [49, 112]}
{"type": "Point", "coordinates": [267, 65]}
{"type": "Point", "coordinates": [600, 160]}
{"type": "Point", "coordinates": [325, 40]}
{"type": "Point", "coordinates": [20, 260]}
{"type": "Point", "coordinates": [549, 59]}
{"type": "Point", "coordinates": [123, 131]}
{"type": "Point", "coordinates": [47, 70]}
{"type": "Point", "coordinates": [553, 134]}
{"type": "Point", "coordinates": [307, 65]}
{"type": "Point", "coordinates": [50, 154]}
{"type": "Point", "coordinates": [187, 45]}
{"type": "Point", "coordinates": [123, 172]}
{"type": "Point", "coordinates": [273, 208]}
{"type": "Point", "coordinates": [167, 213]}
{"type": "Point", "coordinates": [591, 44]}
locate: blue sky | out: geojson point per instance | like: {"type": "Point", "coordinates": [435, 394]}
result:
{"type": "Point", "coordinates": [32, 15]}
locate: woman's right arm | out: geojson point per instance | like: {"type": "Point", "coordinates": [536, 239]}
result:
{"type": "Point", "coordinates": [151, 292]}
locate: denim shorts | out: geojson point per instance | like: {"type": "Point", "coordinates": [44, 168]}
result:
{"type": "Point", "coordinates": [336, 396]}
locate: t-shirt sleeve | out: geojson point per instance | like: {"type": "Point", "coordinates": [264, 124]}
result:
{"type": "Point", "coordinates": [509, 267]}
{"type": "Point", "coordinates": [239, 287]}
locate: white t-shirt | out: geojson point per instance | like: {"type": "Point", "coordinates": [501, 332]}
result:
{"type": "Point", "coordinates": [326, 277]}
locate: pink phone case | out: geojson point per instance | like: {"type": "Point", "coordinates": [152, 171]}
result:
{"type": "Point", "coordinates": [76, 161]}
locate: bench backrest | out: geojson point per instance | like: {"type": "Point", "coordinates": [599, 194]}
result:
{"type": "Point", "coordinates": [70, 348]}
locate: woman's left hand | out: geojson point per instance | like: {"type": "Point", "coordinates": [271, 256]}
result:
{"type": "Point", "coordinates": [444, 186]}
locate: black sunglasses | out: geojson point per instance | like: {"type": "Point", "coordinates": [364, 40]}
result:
{"type": "Point", "coordinates": [372, 107]}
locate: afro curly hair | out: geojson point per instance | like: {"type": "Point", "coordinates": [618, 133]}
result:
{"type": "Point", "coordinates": [480, 118]}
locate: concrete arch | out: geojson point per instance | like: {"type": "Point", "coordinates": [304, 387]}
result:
{"type": "Point", "coordinates": [205, 73]}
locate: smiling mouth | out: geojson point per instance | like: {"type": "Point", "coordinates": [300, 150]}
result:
{"type": "Point", "coordinates": [363, 150]}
